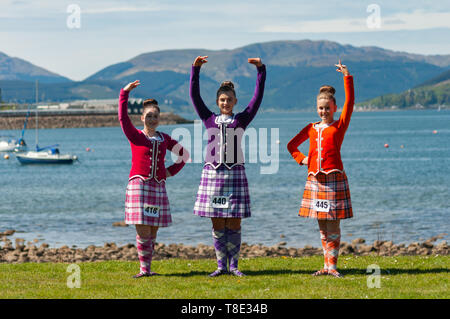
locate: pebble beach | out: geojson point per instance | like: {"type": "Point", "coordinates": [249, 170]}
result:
{"type": "Point", "coordinates": [23, 252]}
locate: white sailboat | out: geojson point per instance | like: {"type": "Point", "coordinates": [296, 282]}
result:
{"type": "Point", "coordinates": [9, 143]}
{"type": "Point", "coordinates": [44, 155]}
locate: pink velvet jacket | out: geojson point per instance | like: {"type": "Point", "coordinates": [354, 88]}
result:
{"type": "Point", "coordinates": [147, 155]}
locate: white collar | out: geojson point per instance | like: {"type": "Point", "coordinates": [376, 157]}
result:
{"type": "Point", "coordinates": [318, 125]}
{"type": "Point", "coordinates": [158, 138]}
{"type": "Point", "coordinates": [224, 118]}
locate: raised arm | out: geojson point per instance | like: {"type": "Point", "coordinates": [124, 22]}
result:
{"type": "Point", "coordinates": [194, 90]}
{"type": "Point", "coordinates": [127, 126]}
{"type": "Point", "coordinates": [253, 107]}
{"type": "Point", "coordinates": [344, 119]}
{"type": "Point", "coordinates": [295, 142]}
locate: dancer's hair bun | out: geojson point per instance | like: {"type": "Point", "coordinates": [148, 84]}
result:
{"type": "Point", "coordinates": [326, 92]}
{"type": "Point", "coordinates": [227, 84]}
{"type": "Point", "coordinates": [327, 89]}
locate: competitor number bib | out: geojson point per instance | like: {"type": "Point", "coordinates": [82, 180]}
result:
{"type": "Point", "coordinates": [322, 205]}
{"type": "Point", "coordinates": [151, 210]}
{"type": "Point", "coordinates": [220, 201]}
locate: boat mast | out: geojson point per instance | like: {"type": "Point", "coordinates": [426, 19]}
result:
{"type": "Point", "coordinates": [37, 96]}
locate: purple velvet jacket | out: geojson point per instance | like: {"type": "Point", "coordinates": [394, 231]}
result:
{"type": "Point", "coordinates": [224, 139]}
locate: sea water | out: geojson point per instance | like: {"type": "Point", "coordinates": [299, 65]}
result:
{"type": "Point", "coordinates": [399, 193]}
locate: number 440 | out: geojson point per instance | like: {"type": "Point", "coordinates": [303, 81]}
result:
{"type": "Point", "coordinates": [220, 200]}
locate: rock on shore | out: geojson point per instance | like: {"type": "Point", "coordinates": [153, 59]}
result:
{"type": "Point", "coordinates": [21, 252]}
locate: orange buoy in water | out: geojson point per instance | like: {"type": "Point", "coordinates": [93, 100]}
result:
{"type": "Point", "coordinates": [88, 149]}
{"type": "Point", "coordinates": [434, 132]}
{"type": "Point", "coordinates": [6, 156]}
{"type": "Point", "coordinates": [386, 145]}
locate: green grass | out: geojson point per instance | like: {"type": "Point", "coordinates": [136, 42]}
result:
{"type": "Point", "coordinates": [278, 278]}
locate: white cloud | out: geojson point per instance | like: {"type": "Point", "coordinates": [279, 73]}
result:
{"type": "Point", "coordinates": [127, 9]}
{"type": "Point", "coordinates": [417, 20]}
{"type": "Point", "coordinates": [49, 8]}
{"type": "Point", "coordinates": [117, 30]}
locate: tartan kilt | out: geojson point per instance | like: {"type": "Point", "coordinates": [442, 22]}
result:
{"type": "Point", "coordinates": [332, 187]}
{"type": "Point", "coordinates": [141, 193]}
{"type": "Point", "coordinates": [231, 183]}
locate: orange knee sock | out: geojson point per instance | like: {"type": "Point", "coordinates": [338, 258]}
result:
{"type": "Point", "coordinates": [333, 243]}
{"type": "Point", "coordinates": [323, 238]}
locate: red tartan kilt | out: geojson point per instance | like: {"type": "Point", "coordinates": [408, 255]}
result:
{"type": "Point", "coordinates": [140, 193]}
{"type": "Point", "coordinates": [332, 187]}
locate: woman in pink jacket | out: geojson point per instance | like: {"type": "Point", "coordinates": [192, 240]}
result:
{"type": "Point", "coordinates": [146, 204]}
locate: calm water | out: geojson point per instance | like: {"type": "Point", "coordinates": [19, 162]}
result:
{"type": "Point", "coordinates": [399, 193]}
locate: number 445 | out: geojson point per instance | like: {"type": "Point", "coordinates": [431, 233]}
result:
{"type": "Point", "coordinates": [322, 204]}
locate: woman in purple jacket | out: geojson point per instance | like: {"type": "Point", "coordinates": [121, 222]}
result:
{"type": "Point", "coordinates": [223, 193]}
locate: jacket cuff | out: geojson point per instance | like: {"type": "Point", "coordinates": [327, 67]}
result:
{"type": "Point", "coordinates": [175, 168]}
{"type": "Point", "coordinates": [299, 158]}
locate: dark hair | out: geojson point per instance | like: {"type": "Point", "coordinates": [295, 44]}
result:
{"type": "Point", "coordinates": [327, 92]}
{"type": "Point", "coordinates": [148, 103]}
{"type": "Point", "coordinates": [226, 86]}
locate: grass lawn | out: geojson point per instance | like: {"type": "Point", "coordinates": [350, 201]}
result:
{"type": "Point", "coordinates": [267, 278]}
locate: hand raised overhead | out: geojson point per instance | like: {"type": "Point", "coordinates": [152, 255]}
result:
{"type": "Point", "coordinates": [342, 68]}
{"type": "Point", "coordinates": [255, 61]}
{"type": "Point", "coordinates": [200, 60]}
{"type": "Point", "coordinates": [131, 86]}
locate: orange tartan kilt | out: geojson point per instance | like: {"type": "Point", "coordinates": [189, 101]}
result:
{"type": "Point", "coordinates": [334, 189]}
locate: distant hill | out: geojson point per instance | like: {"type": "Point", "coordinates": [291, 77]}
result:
{"type": "Point", "coordinates": [445, 76]}
{"type": "Point", "coordinates": [295, 71]}
{"type": "Point", "coordinates": [432, 93]}
{"type": "Point", "coordinates": [20, 70]}
{"type": "Point", "coordinates": [231, 63]}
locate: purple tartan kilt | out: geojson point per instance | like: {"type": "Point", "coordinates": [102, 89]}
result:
{"type": "Point", "coordinates": [231, 183]}
{"type": "Point", "coordinates": [141, 193]}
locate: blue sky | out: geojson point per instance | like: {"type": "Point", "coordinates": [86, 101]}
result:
{"type": "Point", "coordinates": [113, 31]}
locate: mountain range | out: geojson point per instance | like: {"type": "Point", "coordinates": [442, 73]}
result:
{"type": "Point", "coordinates": [295, 71]}
{"type": "Point", "coordinates": [15, 69]}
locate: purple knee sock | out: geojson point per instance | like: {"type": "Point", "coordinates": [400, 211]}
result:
{"type": "Point", "coordinates": [233, 247]}
{"type": "Point", "coordinates": [220, 245]}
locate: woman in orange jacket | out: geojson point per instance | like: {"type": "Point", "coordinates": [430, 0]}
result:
{"type": "Point", "coordinates": [326, 196]}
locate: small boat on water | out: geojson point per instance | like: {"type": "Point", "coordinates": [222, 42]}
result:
{"type": "Point", "coordinates": [44, 155]}
{"type": "Point", "coordinates": [9, 144]}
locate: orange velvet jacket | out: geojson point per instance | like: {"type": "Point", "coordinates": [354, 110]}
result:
{"type": "Point", "coordinates": [325, 142]}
